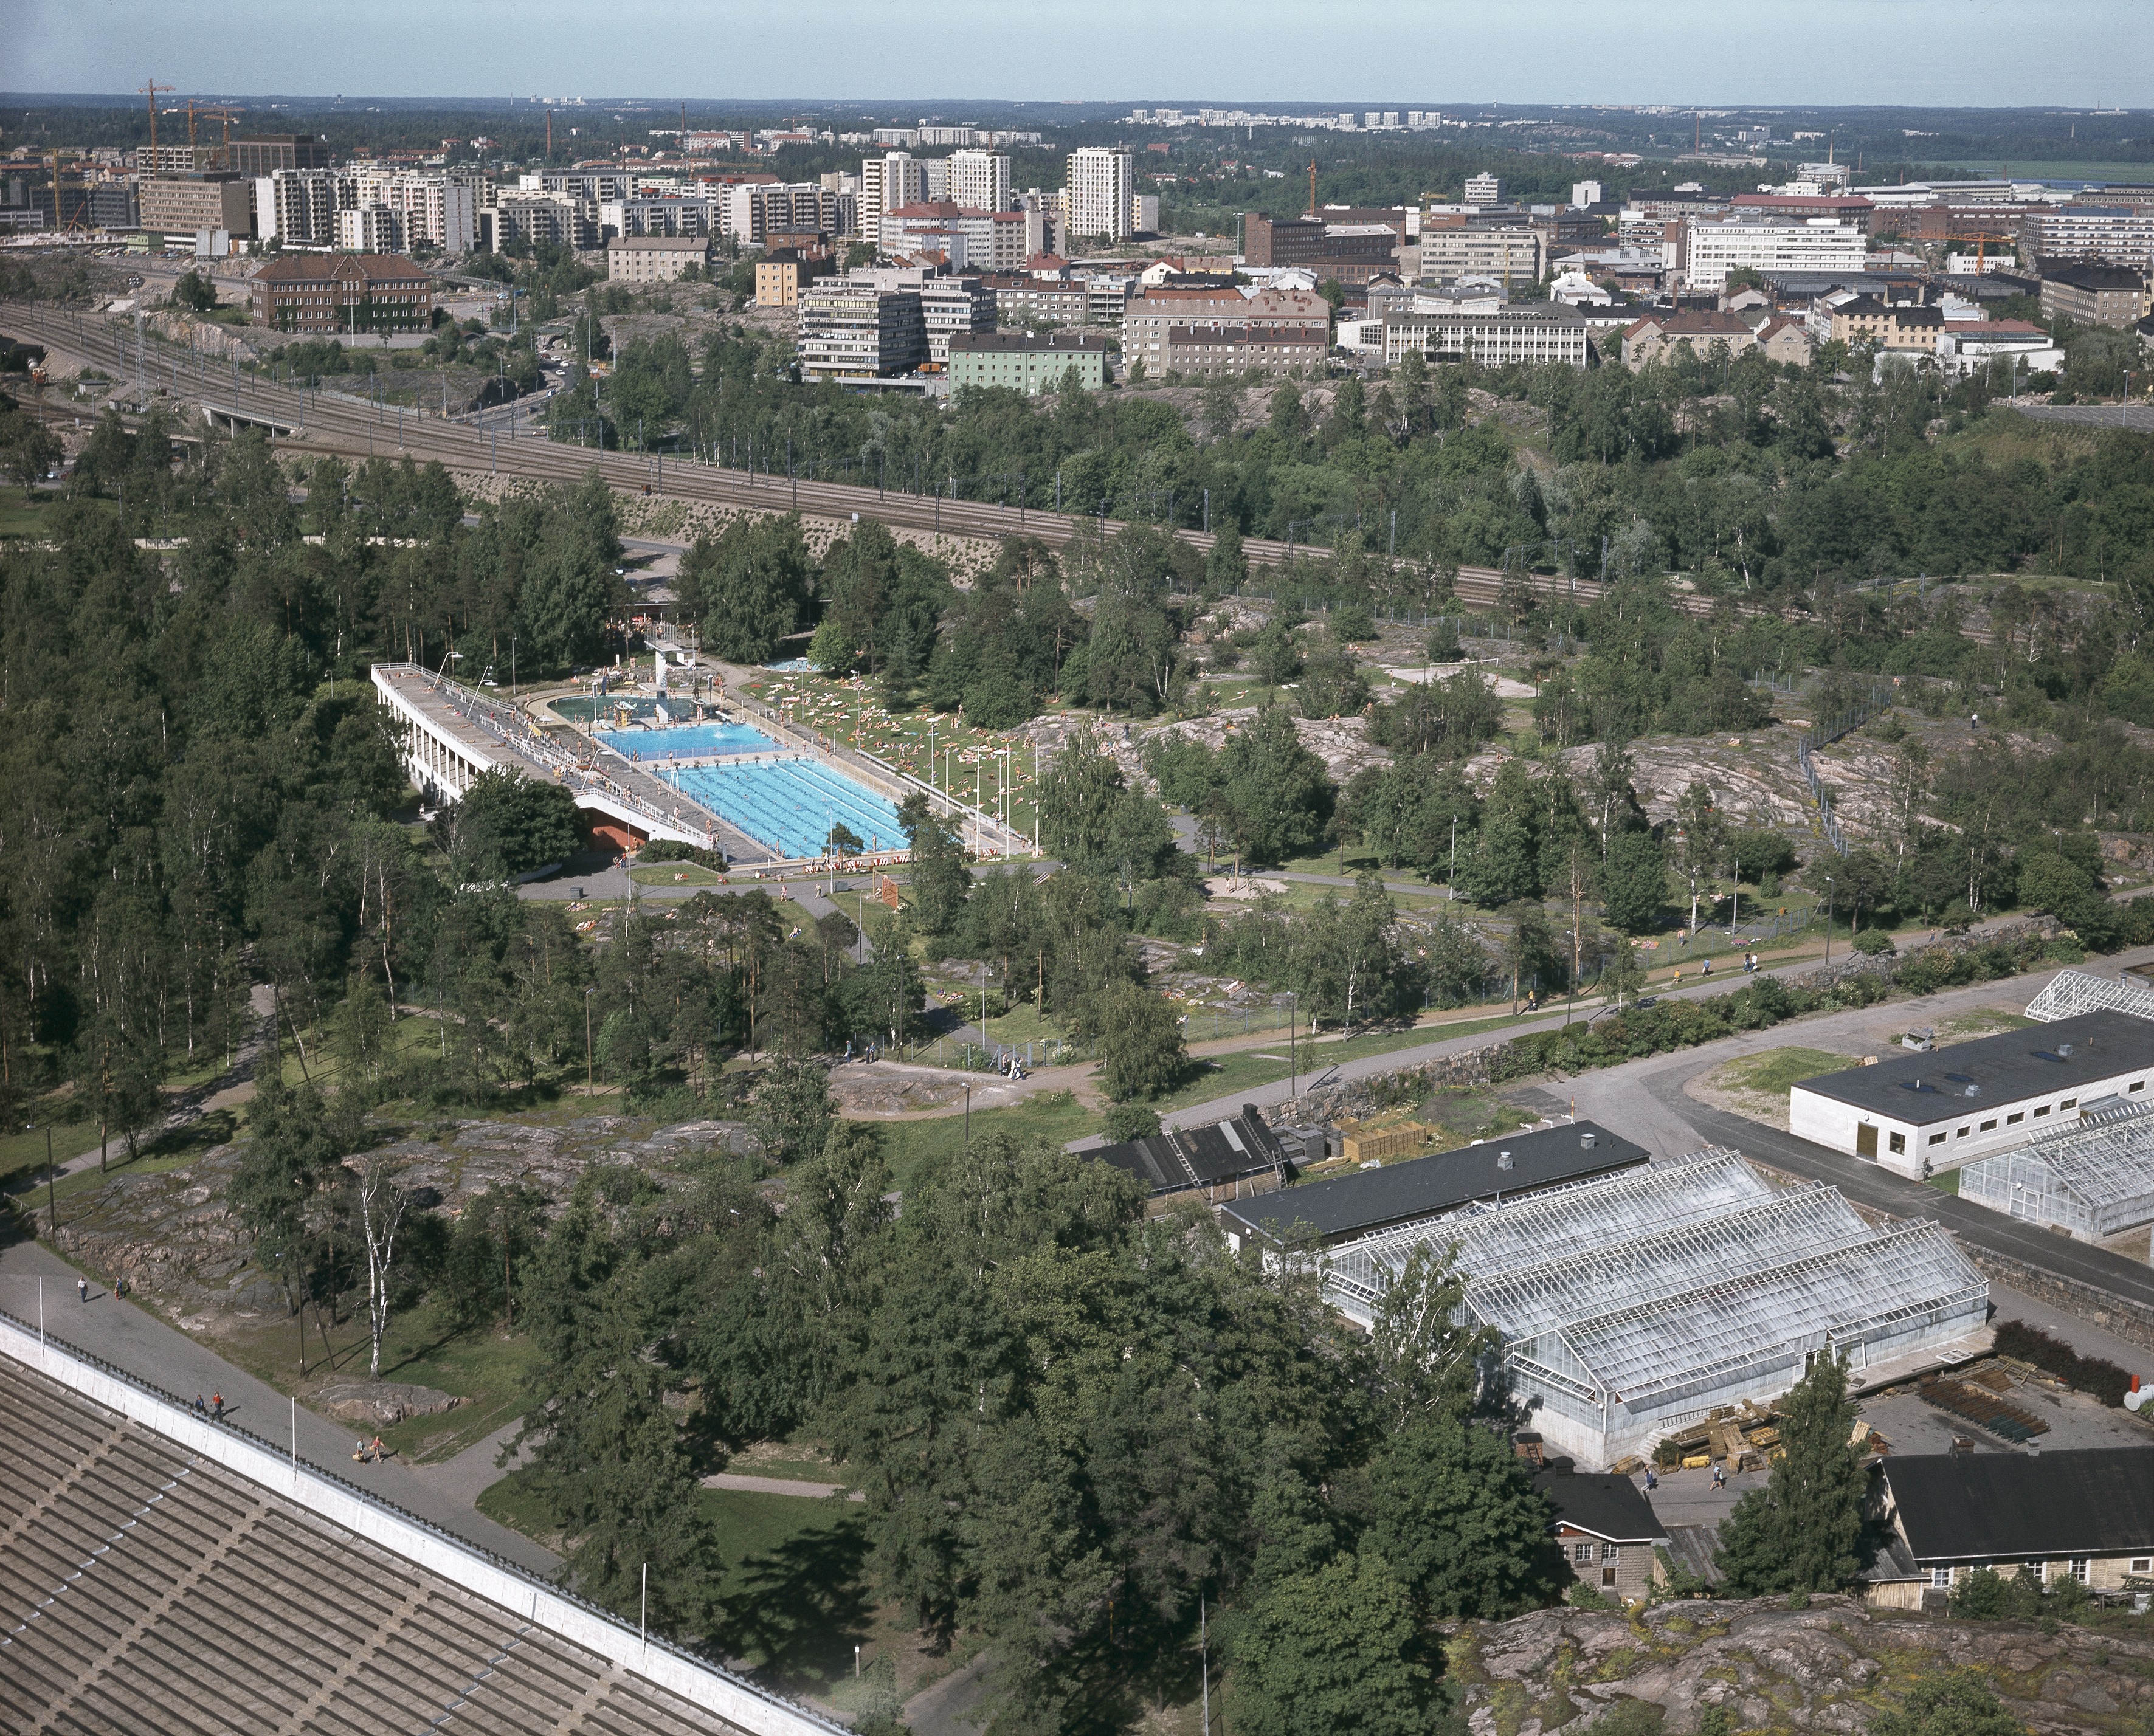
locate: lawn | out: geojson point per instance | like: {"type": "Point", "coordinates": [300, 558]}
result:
{"type": "Point", "coordinates": [792, 1589]}
{"type": "Point", "coordinates": [912, 1148]}
{"type": "Point", "coordinates": [1773, 1070]}
{"type": "Point", "coordinates": [423, 1347]}
{"type": "Point", "coordinates": [675, 873]}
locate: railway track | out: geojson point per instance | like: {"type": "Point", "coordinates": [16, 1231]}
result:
{"type": "Point", "coordinates": [303, 421]}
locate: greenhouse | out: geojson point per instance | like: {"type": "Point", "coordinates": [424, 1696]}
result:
{"type": "Point", "coordinates": [2092, 1180]}
{"type": "Point", "coordinates": [2071, 993]}
{"type": "Point", "coordinates": [1638, 1303]}
{"type": "Point", "coordinates": [1493, 1239]}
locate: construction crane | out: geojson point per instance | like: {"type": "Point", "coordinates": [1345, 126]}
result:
{"type": "Point", "coordinates": [227, 116]}
{"type": "Point", "coordinates": [151, 89]}
{"type": "Point", "coordinates": [1982, 243]}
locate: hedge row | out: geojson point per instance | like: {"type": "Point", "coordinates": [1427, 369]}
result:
{"type": "Point", "coordinates": [1758, 1006]}
{"type": "Point", "coordinates": [2092, 1374]}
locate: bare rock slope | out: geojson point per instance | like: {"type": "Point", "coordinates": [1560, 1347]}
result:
{"type": "Point", "coordinates": [1828, 1667]}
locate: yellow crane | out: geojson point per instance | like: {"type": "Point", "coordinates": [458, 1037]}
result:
{"type": "Point", "coordinates": [151, 89]}
{"type": "Point", "coordinates": [227, 115]}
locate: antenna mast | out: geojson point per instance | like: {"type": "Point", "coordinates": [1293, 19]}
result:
{"type": "Point", "coordinates": [1312, 186]}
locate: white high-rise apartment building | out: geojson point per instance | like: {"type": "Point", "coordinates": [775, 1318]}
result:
{"type": "Point", "coordinates": [980, 180]}
{"type": "Point", "coordinates": [371, 229]}
{"type": "Point", "coordinates": [300, 206]}
{"type": "Point", "coordinates": [1773, 244]}
{"type": "Point", "coordinates": [440, 209]}
{"type": "Point", "coordinates": [1102, 181]}
{"type": "Point", "coordinates": [886, 182]}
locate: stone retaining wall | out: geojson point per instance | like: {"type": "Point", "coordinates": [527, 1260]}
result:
{"type": "Point", "coordinates": [676, 520]}
{"type": "Point", "coordinates": [2128, 1320]}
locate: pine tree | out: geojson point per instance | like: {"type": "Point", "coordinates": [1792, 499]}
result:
{"type": "Point", "coordinates": [1798, 1533]}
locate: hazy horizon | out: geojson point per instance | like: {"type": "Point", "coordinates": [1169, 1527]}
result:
{"type": "Point", "coordinates": [2079, 54]}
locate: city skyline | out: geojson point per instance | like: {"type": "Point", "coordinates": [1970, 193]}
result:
{"type": "Point", "coordinates": [2091, 54]}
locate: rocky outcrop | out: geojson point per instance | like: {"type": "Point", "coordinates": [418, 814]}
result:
{"type": "Point", "coordinates": [1828, 1667]}
{"type": "Point", "coordinates": [379, 1404]}
{"type": "Point", "coordinates": [170, 1236]}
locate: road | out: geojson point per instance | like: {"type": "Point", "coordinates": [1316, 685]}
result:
{"type": "Point", "coordinates": [331, 423]}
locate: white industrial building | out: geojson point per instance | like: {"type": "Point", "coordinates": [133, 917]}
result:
{"type": "Point", "coordinates": [2092, 1180]}
{"type": "Point", "coordinates": [1635, 1304]}
{"type": "Point", "coordinates": [1922, 1112]}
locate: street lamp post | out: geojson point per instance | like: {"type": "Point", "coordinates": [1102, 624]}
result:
{"type": "Point", "coordinates": [1827, 919]}
{"type": "Point", "coordinates": [1290, 1068]}
{"type": "Point", "coordinates": [588, 1090]}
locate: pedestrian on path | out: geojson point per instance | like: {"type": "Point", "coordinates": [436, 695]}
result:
{"type": "Point", "coordinates": [216, 1406]}
{"type": "Point", "coordinates": [82, 1289]}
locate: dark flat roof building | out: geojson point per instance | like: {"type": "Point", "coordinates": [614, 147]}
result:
{"type": "Point", "coordinates": [2085, 1514]}
{"type": "Point", "coordinates": [261, 154]}
{"type": "Point", "coordinates": [1228, 1160]}
{"type": "Point", "coordinates": [1331, 1211]}
{"type": "Point", "coordinates": [1919, 1112]}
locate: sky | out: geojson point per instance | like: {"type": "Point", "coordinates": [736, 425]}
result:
{"type": "Point", "coordinates": [2006, 54]}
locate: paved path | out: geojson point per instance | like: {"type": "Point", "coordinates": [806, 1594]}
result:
{"type": "Point", "coordinates": [134, 1340]}
{"type": "Point", "coordinates": [779, 1486]}
{"type": "Point", "coordinates": [477, 1469]}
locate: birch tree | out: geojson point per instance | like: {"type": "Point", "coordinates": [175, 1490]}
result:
{"type": "Point", "coordinates": [381, 1206]}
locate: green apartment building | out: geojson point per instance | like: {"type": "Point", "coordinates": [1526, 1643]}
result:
{"type": "Point", "coordinates": [1025, 362]}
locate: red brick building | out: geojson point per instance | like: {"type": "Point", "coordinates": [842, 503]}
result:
{"type": "Point", "coordinates": [325, 294]}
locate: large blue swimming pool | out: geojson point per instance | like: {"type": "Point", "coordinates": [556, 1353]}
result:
{"type": "Point", "coordinates": [686, 742]}
{"type": "Point", "coordinates": [791, 804]}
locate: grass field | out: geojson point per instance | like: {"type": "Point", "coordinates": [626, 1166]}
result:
{"type": "Point", "coordinates": [1222, 1075]}
{"type": "Point", "coordinates": [911, 1147]}
{"type": "Point", "coordinates": [1775, 1069]}
{"type": "Point", "coordinates": [2140, 173]}
{"type": "Point", "coordinates": [794, 1587]}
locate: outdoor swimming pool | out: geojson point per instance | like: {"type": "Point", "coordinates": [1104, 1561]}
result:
{"type": "Point", "coordinates": [791, 804]}
{"type": "Point", "coordinates": [686, 742]}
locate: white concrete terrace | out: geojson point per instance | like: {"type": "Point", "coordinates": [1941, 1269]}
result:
{"type": "Point", "coordinates": [448, 735]}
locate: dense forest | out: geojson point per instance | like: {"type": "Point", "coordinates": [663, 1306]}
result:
{"type": "Point", "coordinates": [1075, 1425]}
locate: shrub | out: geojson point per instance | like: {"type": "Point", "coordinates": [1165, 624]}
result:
{"type": "Point", "coordinates": [1131, 1121]}
{"type": "Point", "coordinates": [666, 849]}
{"type": "Point", "coordinates": [1353, 621]}
{"type": "Point", "coordinates": [1875, 942]}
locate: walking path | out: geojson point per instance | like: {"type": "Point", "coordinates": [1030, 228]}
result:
{"type": "Point", "coordinates": [1318, 1073]}
{"type": "Point", "coordinates": [135, 1340]}
{"type": "Point", "coordinates": [779, 1486]}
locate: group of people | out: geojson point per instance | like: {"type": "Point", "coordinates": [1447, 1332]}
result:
{"type": "Point", "coordinates": [1749, 966]}
{"type": "Point", "coordinates": [214, 1410]}
{"type": "Point", "coordinates": [365, 1455]}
